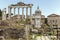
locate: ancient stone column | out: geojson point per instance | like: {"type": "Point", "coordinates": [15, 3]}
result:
{"type": "Point", "coordinates": [18, 11]}
{"type": "Point", "coordinates": [23, 13]}
{"type": "Point", "coordinates": [9, 13]}
{"type": "Point", "coordinates": [27, 12]}
{"type": "Point", "coordinates": [14, 11]}
{"type": "Point", "coordinates": [4, 14]}
{"type": "Point", "coordinates": [18, 14]}
{"type": "Point", "coordinates": [31, 14]}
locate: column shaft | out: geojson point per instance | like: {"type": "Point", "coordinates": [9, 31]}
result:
{"type": "Point", "coordinates": [18, 14]}
{"type": "Point", "coordinates": [9, 12]}
{"type": "Point", "coordinates": [23, 13]}
{"type": "Point", "coordinates": [5, 14]}
{"type": "Point", "coordinates": [31, 14]}
{"type": "Point", "coordinates": [2, 14]}
{"type": "Point", "coordinates": [18, 11]}
{"type": "Point", "coordinates": [27, 12]}
{"type": "Point", "coordinates": [14, 11]}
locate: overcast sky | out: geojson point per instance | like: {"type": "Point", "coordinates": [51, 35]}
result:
{"type": "Point", "coordinates": [47, 7]}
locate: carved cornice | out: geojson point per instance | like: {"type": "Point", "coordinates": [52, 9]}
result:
{"type": "Point", "coordinates": [21, 4]}
{"type": "Point", "coordinates": [54, 15]}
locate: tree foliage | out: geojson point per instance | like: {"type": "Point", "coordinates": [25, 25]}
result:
{"type": "Point", "coordinates": [46, 20]}
{"type": "Point", "coordinates": [0, 13]}
{"type": "Point", "coordinates": [8, 14]}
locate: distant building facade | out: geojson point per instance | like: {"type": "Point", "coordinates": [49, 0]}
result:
{"type": "Point", "coordinates": [38, 18]}
{"type": "Point", "coordinates": [53, 20]}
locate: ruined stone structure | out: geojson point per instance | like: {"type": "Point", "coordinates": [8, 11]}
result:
{"type": "Point", "coordinates": [20, 5]}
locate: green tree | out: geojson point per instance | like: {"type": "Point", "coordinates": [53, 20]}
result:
{"type": "Point", "coordinates": [46, 20]}
{"type": "Point", "coordinates": [8, 14]}
{"type": "Point", "coordinates": [0, 13]}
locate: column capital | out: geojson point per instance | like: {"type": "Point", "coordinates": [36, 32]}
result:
{"type": "Point", "coordinates": [22, 7]}
{"type": "Point", "coordinates": [10, 7]}
{"type": "Point", "coordinates": [14, 7]}
{"type": "Point", "coordinates": [30, 6]}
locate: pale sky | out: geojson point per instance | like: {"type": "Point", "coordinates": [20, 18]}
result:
{"type": "Point", "coordinates": [46, 6]}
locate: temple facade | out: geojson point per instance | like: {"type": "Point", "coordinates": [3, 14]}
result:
{"type": "Point", "coordinates": [54, 20]}
{"type": "Point", "coordinates": [19, 5]}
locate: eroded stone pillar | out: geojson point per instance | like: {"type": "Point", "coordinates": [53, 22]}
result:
{"type": "Point", "coordinates": [14, 11]}
{"type": "Point", "coordinates": [23, 13]}
{"type": "Point", "coordinates": [31, 14]}
{"type": "Point", "coordinates": [27, 12]}
{"type": "Point", "coordinates": [9, 12]}
{"type": "Point", "coordinates": [18, 11]}
{"type": "Point", "coordinates": [18, 14]}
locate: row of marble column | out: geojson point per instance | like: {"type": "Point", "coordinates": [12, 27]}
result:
{"type": "Point", "coordinates": [9, 10]}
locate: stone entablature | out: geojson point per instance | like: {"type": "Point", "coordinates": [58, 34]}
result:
{"type": "Point", "coordinates": [21, 4]}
